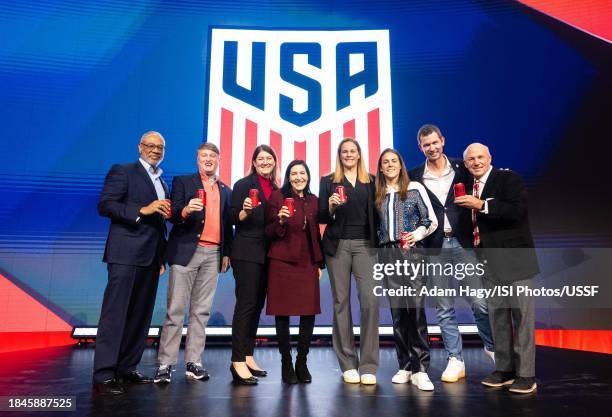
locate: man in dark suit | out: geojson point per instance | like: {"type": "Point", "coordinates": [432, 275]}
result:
{"type": "Point", "coordinates": [451, 243]}
{"type": "Point", "coordinates": [134, 198]}
{"type": "Point", "coordinates": [498, 202]}
{"type": "Point", "coordinates": [198, 249]}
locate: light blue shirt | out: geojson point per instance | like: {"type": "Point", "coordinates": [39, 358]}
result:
{"type": "Point", "coordinates": [155, 175]}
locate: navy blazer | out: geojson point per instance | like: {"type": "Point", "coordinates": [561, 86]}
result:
{"type": "Point", "coordinates": [505, 234]}
{"type": "Point", "coordinates": [132, 239]}
{"type": "Point", "coordinates": [459, 217]}
{"type": "Point", "coordinates": [185, 234]}
{"type": "Point", "coordinates": [250, 243]}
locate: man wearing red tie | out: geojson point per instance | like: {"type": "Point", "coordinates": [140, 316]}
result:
{"type": "Point", "coordinates": [501, 229]}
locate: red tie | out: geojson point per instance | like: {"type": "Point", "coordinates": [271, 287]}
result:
{"type": "Point", "coordinates": [476, 194]}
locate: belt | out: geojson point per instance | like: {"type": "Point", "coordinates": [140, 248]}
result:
{"type": "Point", "coordinates": [448, 235]}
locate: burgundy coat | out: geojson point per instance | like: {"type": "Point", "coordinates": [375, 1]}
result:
{"type": "Point", "coordinates": [293, 273]}
{"type": "Point", "coordinates": [285, 246]}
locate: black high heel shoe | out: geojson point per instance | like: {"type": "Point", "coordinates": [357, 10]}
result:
{"type": "Point", "coordinates": [239, 380]}
{"type": "Point", "coordinates": [258, 372]}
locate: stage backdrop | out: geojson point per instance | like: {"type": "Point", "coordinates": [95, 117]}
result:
{"type": "Point", "coordinates": [80, 81]}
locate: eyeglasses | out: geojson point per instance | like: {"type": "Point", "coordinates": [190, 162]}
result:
{"type": "Point", "coordinates": [150, 147]}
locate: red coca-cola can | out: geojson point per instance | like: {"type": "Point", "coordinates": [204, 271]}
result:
{"type": "Point", "coordinates": [459, 189]}
{"type": "Point", "coordinates": [404, 236]}
{"type": "Point", "coordinates": [342, 193]}
{"type": "Point", "coordinates": [202, 195]}
{"type": "Point", "coordinates": [254, 196]}
{"type": "Point", "coordinates": [290, 204]}
{"type": "Point", "coordinates": [169, 204]}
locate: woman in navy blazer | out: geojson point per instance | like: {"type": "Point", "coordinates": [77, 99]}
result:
{"type": "Point", "coordinates": [248, 260]}
{"type": "Point", "coordinates": [293, 274]}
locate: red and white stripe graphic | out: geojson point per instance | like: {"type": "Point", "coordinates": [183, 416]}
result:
{"type": "Point", "coordinates": [318, 152]}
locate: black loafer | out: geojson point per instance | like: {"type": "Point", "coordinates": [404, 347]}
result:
{"type": "Point", "coordinates": [136, 377]}
{"type": "Point", "coordinates": [110, 386]}
{"type": "Point", "coordinates": [499, 379]}
{"type": "Point", "coordinates": [523, 385]}
{"type": "Point", "coordinates": [258, 372]}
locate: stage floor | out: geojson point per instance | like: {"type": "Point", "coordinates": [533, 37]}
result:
{"type": "Point", "coordinates": [570, 384]}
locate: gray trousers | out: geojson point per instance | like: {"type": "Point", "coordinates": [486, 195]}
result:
{"type": "Point", "coordinates": [513, 325]}
{"type": "Point", "coordinates": [194, 284]}
{"type": "Point", "coordinates": [354, 256]}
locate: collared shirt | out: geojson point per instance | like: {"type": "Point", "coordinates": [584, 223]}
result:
{"type": "Point", "coordinates": [155, 175]}
{"type": "Point", "coordinates": [440, 186]}
{"type": "Point", "coordinates": [483, 181]}
{"type": "Point", "coordinates": [211, 233]}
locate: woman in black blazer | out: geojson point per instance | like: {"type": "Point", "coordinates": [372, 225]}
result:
{"type": "Point", "coordinates": [349, 244]}
{"type": "Point", "coordinates": [248, 260]}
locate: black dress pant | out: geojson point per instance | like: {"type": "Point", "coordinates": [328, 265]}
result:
{"type": "Point", "coordinates": [127, 309]}
{"type": "Point", "coordinates": [251, 286]}
{"type": "Point", "coordinates": [408, 313]}
{"type": "Point", "coordinates": [410, 335]}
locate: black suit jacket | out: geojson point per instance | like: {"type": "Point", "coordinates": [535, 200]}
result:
{"type": "Point", "coordinates": [505, 236]}
{"type": "Point", "coordinates": [185, 234]}
{"type": "Point", "coordinates": [459, 217]}
{"type": "Point", "coordinates": [335, 224]}
{"type": "Point", "coordinates": [132, 239]}
{"type": "Point", "coordinates": [250, 243]}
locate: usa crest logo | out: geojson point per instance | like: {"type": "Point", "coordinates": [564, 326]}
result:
{"type": "Point", "coordinates": [299, 91]}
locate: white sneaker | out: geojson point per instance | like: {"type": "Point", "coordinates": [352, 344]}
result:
{"type": "Point", "coordinates": [422, 381]}
{"type": "Point", "coordinates": [351, 376]}
{"type": "Point", "coordinates": [490, 354]}
{"type": "Point", "coordinates": [368, 379]}
{"type": "Point", "coordinates": [401, 377]}
{"type": "Point", "coordinates": [455, 370]}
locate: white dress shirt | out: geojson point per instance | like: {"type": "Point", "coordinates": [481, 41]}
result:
{"type": "Point", "coordinates": [483, 181]}
{"type": "Point", "coordinates": [155, 174]}
{"type": "Point", "coordinates": [440, 186]}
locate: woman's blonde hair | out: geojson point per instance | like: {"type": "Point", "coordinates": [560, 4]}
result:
{"type": "Point", "coordinates": [362, 173]}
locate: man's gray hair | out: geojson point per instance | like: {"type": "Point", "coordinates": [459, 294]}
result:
{"type": "Point", "coordinates": [152, 133]}
{"type": "Point", "coordinates": [475, 144]}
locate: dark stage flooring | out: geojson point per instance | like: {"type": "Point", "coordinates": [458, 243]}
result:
{"type": "Point", "coordinates": [571, 383]}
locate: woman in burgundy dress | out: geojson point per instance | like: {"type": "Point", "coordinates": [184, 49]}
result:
{"type": "Point", "coordinates": [294, 261]}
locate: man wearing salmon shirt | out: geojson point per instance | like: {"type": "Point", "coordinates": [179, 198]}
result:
{"type": "Point", "coordinates": [198, 249]}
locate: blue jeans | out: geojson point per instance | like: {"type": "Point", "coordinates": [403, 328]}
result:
{"type": "Point", "coordinates": [454, 253]}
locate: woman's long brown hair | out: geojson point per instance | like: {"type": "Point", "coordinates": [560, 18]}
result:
{"type": "Point", "coordinates": [268, 149]}
{"type": "Point", "coordinates": [381, 182]}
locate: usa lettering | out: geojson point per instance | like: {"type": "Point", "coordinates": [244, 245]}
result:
{"type": "Point", "coordinates": [356, 67]}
